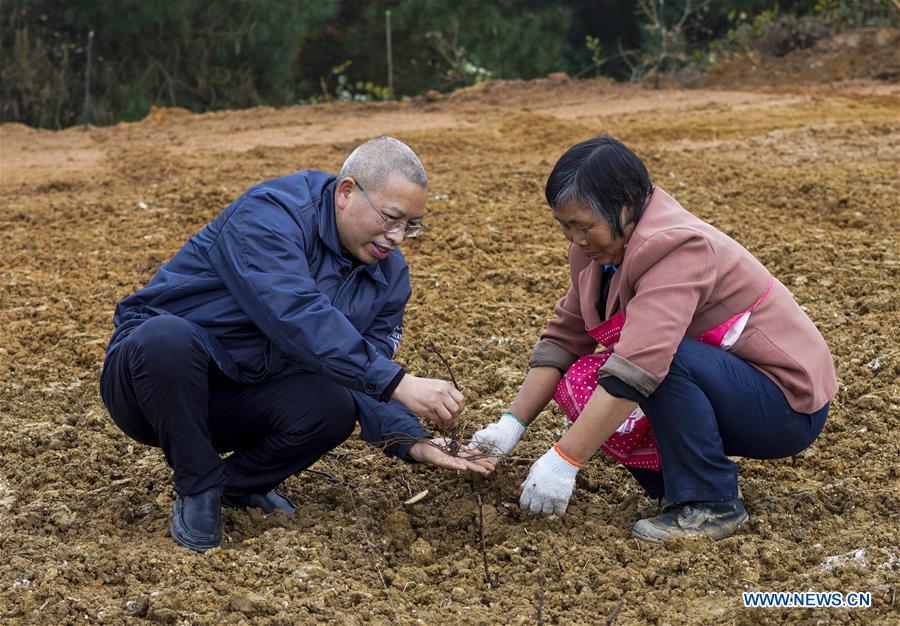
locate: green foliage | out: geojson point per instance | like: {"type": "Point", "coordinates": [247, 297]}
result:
{"type": "Point", "coordinates": [190, 53]}
{"type": "Point", "coordinates": [743, 29]}
{"type": "Point", "coordinates": [36, 72]}
{"type": "Point", "coordinates": [786, 25]}
{"type": "Point", "coordinates": [338, 86]}
{"type": "Point", "coordinates": [858, 12]}
{"type": "Point", "coordinates": [593, 44]}
{"type": "Point", "coordinates": [451, 43]}
{"type": "Point", "coordinates": [206, 55]}
{"type": "Point", "coordinates": [461, 68]}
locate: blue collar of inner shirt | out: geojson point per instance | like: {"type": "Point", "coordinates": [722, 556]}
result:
{"type": "Point", "coordinates": [329, 235]}
{"type": "Point", "coordinates": [610, 267]}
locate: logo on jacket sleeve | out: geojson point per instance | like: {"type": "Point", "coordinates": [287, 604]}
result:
{"type": "Point", "coordinates": [395, 337]}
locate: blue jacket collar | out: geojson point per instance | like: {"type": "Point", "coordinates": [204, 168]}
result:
{"type": "Point", "coordinates": [329, 235]}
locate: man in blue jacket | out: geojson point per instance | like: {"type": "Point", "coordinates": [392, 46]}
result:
{"type": "Point", "coordinates": [271, 331]}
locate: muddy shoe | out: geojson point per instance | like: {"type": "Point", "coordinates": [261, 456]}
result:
{"type": "Point", "coordinates": [716, 520]}
{"type": "Point", "coordinates": [268, 502]}
{"type": "Point", "coordinates": [195, 520]}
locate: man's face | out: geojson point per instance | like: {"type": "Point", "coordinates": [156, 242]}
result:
{"type": "Point", "coordinates": [591, 233]}
{"type": "Point", "coordinates": [359, 215]}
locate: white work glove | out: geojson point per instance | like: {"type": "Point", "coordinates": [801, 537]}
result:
{"type": "Point", "coordinates": [500, 437]}
{"type": "Point", "coordinates": [549, 484]}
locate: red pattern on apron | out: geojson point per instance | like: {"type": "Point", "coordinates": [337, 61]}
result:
{"type": "Point", "coordinates": [632, 444]}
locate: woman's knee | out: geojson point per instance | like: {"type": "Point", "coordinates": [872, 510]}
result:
{"type": "Point", "coordinates": [667, 402]}
{"type": "Point", "coordinates": [797, 432]}
{"type": "Point", "coordinates": [689, 354]}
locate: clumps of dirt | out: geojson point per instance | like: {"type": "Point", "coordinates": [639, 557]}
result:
{"type": "Point", "coordinates": [524, 94]}
{"type": "Point", "coordinates": [807, 183]}
{"type": "Point", "coordinates": [163, 115]}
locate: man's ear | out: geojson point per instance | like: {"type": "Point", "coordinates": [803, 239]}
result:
{"type": "Point", "coordinates": [342, 192]}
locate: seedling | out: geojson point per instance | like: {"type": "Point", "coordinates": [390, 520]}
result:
{"type": "Point", "coordinates": [479, 484]}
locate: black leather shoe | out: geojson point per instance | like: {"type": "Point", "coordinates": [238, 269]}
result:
{"type": "Point", "coordinates": [268, 502]}
{"type": "Point", "coordinates": [196, 520]}
{"type": "Point", "coordinates": [716, 520]}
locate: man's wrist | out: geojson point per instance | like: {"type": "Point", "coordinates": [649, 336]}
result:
{"type": "Point", "coordinates": [414, 451]}
{"type": "Point", "coordinates": [392, 386]}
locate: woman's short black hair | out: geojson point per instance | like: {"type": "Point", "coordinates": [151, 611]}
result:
{"type": "Point", "coordinates": [603, 174]}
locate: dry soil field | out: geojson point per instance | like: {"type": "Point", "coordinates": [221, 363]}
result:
{"type": "Point", "coordinates": [806, 179]}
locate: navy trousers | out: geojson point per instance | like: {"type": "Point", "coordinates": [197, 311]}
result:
{"type": "Point", "coordinates": [712, 405]}
{"type": "Point", "coordinates": [162, 389]}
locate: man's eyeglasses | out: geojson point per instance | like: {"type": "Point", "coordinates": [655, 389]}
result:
{"type": "Point", "coordinates": [392, 224]}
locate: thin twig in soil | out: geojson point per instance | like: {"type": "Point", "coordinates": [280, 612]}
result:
{"type": "Point", "coordinates": [478, 483]}
{"type": "Point", "coordinates": [493, 581]}
{"type": "Point", "coordinates": [453, 435]}
{"type": "Point", "coordinates": [540, 600]}
{"type": "Point", "coordinates": [615, 611]}
{"type": "Point", "coordinates": [115, 483]}
{"type": "Point", "coordinates": [406, 484]}
{"type": "Point", "coordinates": [374, 556]}
{"type": "Point", "coordinates": [338, 454]}
{"type": "Point", "coordinates": [340, 481]}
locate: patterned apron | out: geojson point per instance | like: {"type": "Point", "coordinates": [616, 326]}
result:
{"type": "Point", "coordinates": [632, 444]}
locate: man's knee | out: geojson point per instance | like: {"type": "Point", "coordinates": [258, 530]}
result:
{"type": "Point", "coordinates": [330, 414]}
{"type": "Point", "coordinates": [166, 344]}
{"type": "Point", "coordinates": [338, 416]}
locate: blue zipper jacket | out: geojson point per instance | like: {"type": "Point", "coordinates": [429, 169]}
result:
{"type": "Point", "coordinates": [270, 291]}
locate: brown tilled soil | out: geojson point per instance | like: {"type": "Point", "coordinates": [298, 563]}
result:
{"type": "Point", "coordinates": [807, 182]}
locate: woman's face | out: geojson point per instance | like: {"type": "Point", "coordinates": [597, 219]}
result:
{"type": "Point", "coordinates": [591, 233]}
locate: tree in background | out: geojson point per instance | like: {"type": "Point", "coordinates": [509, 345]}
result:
{"type": "Point", "coordinates": [448, 43]}
{"type": "Point", "coordinates": [205, 55]}
{"type": "Point", "coordinates": [194, 54]}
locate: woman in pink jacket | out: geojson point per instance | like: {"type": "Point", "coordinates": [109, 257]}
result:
{"type": "Point", "coordinates": [673, 349]}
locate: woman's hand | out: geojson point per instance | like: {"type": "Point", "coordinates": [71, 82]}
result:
{"type": "Point", "coordinates": [433, 452]}
{"type": "Point", "coordinates": [552, 477]}
{"type": "Point", "coordinates": [549, 484]}
{"type": "Point", "coordinates": [499, 438]}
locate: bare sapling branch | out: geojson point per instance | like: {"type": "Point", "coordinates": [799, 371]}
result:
{"type": "Point", "coordinates": [453, 434]}
{"type": "Point", "coordinates": [479, 484]}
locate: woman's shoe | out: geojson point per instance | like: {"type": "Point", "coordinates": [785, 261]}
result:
{"type": "Point", "coordinates": [715, 520]}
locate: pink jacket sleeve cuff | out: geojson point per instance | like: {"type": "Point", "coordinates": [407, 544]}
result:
{"type": "Point", "coordinates": [632, 375]}
{"type": "Point", "coordinates": [548, 354]}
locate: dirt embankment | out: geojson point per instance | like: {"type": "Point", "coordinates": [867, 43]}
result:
{"type": "Point", "coordinates": [867, 57]}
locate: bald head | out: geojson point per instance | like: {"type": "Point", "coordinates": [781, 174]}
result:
{"type": "Point", "coordinates": [372, 163]}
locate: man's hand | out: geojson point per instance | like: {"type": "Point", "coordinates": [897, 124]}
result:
{"type": "Point", "coordinates": [500, 437]}
{"type": "Point", "coordinates": [435, 399]}
{"type": "Point", "coordinates": [549, 484]}
{"type": "Point", "coordinates": [431, 452]}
